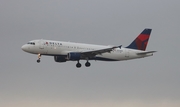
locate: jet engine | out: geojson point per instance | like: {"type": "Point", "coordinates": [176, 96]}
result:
{"type": "Point", "coordinates": [74, 56]}
{"type": "Point", "coordinates": [60, 58]}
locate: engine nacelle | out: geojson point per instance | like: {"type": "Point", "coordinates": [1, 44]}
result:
{"type": "Point", "coordinates": [60, 58]}
{"type": "Point", "coordinates": [74, 56]}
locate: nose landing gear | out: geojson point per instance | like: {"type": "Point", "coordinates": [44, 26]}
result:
{"type": "Point", "coordinates": [39, 57]}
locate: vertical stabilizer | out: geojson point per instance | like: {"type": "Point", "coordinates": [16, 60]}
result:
{"type": "Point", "coordinates": [141, 41]}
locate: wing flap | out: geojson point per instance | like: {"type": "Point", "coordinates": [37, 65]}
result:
{"type": "Point", "coordinates": [96, 52]}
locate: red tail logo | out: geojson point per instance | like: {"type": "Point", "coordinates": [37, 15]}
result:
{"type": "Point", "coordinates": [140, 43]}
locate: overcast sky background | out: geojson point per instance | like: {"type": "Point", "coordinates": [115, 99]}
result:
{"type": "Point", "coordinates": [147, 82]}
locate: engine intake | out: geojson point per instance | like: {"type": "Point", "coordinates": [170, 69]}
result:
{"type": "Point", "coordinates": [74, 56]}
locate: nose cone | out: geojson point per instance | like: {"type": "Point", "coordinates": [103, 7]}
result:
{"type": "Point", "coordinates": [24, 48]}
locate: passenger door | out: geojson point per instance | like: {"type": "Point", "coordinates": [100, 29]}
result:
{"type": "Point", "coordinates": [41, 44]}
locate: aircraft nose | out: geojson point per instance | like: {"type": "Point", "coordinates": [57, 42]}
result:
{"type": "Point", "coordinates": [24, 48]}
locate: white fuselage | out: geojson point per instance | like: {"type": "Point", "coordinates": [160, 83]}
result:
{"type": "Point", "coordinates": [58, 48]}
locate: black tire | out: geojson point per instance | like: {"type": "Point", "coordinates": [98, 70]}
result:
{"type": "Point", "coordinates": [78, 65]}
{"type": "Point", "coordinates": [87, 64]}
{"type": "Point", "coordinates": [38, 61]}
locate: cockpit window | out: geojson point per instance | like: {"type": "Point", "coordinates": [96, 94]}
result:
{"type": "Point", "coordinates": [32, 43]}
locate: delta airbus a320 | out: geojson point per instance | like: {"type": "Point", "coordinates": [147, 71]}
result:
{"type": "Point", "coordinates": [68, 51]}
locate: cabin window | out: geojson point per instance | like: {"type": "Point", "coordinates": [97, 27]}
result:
{"type": "Point", "coordinates": [32, 43]}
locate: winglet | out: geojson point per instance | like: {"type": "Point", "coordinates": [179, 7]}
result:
{"type": "Point", "coordinates": [120, 46]}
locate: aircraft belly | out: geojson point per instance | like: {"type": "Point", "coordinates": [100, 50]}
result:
{"type": "Point", "coordinates": [112, 56]}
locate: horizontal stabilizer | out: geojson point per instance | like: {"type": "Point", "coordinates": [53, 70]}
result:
{"type": "Point", "coordinates": [144, 53]}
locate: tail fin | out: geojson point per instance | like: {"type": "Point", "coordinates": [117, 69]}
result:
{"type": "Point", "coordinates": [141, 41]}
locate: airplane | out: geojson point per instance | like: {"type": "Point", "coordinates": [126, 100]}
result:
{"type": "Point", "coordinates": [70, 51]}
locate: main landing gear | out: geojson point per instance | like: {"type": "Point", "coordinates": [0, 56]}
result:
{"type": "Point", "coordinates": [87, 64]}
{"type": "Point", "coordinates": [78, 65]}
{"type": "Point", "coordinates": [39, 57]}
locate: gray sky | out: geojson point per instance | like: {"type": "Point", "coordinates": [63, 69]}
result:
{"type": "Point", "coordinates": [148, 82]}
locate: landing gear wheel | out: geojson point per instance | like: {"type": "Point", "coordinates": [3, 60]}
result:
{"type": "Point", "coordinates": [87, 64]}
{"type": "Point", "coordinates": [78, 65]}
{"type": "Point", "coordinates": [38, 61]}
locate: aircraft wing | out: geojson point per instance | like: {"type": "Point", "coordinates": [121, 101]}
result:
{"type": "Point", "coordinates": [97, 52]}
